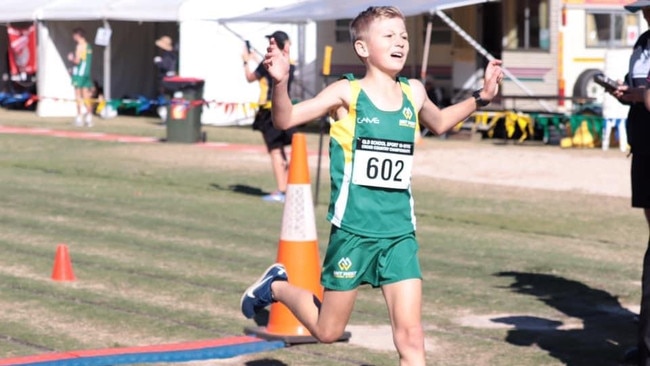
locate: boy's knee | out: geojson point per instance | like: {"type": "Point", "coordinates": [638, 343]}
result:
{"type": "Point", "coordinates": [330, 335]}
{"type": "Point", "coordinates": [409, 338]}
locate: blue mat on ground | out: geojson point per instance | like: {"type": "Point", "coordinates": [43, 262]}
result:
{"type": "Point", "coordinates": [178, 352]}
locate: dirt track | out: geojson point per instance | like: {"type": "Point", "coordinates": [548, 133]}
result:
{"type": "Point", "coordinates": [538, 166]}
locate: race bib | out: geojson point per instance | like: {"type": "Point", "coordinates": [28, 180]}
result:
{"type": "Point", "coordinates": [382, 163]}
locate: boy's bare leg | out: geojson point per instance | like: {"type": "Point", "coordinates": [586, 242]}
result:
{"type": "Point", "coordinates": [404, 300]}
{"type": "Point", "coordinates": [646, 211]}
{"type": "Point", "coordinates": [326, 321]}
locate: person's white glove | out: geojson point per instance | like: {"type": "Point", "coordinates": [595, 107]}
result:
{"type": "Point", "coordinates": [157, 59]}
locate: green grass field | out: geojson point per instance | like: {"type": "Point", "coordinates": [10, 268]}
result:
{"type": "Point", "coordinates": [165, 237]}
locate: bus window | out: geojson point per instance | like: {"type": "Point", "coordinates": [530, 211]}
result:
{"type": "Point", "coordinates": [609, 29]}
{"type": "Point", "coordinates": [342, 31]}
{"type": "Point", "coordinates": [527, 25]}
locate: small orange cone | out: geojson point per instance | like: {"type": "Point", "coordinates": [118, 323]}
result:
{"type": "Point", "coordinates": [62, 270]}
{"type": "Point", "coordinates": [297, 250]}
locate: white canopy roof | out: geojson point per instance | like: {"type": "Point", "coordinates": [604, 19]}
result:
{"type": "Point", "coordinates": [159, 10]}
{"type": "Point", "coordinates": [178, 10]}
{"type": "Point", "coordinates": [129, 10]}
{"type": "Point", "coordinates": [317, 10]}
{"type": "Point", "coordinates": [19, 10]}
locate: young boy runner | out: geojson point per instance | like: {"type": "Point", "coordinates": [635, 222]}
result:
{"type": "Point", "coordinates": [372, 239]}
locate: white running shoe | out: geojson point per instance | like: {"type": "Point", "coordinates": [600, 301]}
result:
{"type": "Point", "coordinates": [89, 119]}
{"type": "Point", "coordinates": [276, 196]}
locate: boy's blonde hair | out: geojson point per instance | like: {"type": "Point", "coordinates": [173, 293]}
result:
{"type": "Point", "coordinates": [360, 25]}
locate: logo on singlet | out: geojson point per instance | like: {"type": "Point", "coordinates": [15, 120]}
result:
{"type": "Point", "coordinates": [407, 113]}
{"type": "Point", "coordinates": [408, 122]}
{"type": "Point", "coordinates": [369, 120]}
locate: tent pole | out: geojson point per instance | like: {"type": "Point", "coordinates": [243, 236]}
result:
{"type": "Point", "coordinates": [324, 120]}
{"type": "Point", "coordinates": [301, 57]}
{"type": "Point", "coordinates": [427, 46]}
{"type": "Point", "coordinates": [107, 65]}
{"type": "Point", "coordinates": [41, 33]}
{"type": "Point", "coordinates": [425, 59]}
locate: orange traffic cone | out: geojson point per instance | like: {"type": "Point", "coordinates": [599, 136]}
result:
{"type": "Point", "coordinates": [62, 270]}
{"type": "Point", "coordinates": [297, 250]}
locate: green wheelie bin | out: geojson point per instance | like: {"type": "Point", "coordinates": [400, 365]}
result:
{"type": "Point", "coordinates": [184, 109]}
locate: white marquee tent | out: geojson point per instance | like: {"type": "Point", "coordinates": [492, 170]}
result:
{"type": "Point", "coordinates": [208, 49]}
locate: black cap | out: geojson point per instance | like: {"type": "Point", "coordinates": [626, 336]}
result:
{"type": "Point", "coordinates": [280, 38]}
{"type": "Point", "coordinates": [637, 5]}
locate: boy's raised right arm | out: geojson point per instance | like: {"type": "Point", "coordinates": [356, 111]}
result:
{"type": "Point", "coordinates": [441, 120]}
{"type": "Point", "coordinates": [283, 112]}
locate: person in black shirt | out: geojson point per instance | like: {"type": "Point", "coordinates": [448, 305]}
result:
{"type": "Point", "coordinates": [274, 139]}
{"type": "Point", "coordinates": [166, 62]}
{"type": "Point", "coordinates": [634, 93]}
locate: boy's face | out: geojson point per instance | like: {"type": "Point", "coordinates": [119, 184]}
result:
{"type": "Point", "coordinates": [385, 44]}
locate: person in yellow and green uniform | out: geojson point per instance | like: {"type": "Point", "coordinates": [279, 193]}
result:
{"type": "Point", "coordinates": [82, 82]}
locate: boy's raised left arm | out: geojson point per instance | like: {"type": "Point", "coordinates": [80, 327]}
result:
{"type": "Point", "coordinates": [276, 62]}
{"type": "Point", "coordinates": [283, 112]}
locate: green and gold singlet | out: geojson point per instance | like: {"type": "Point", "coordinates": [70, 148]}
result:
{"type": "Point", "coordinates": [81, 72]}
{"type": "Point", "coordinates": [371, 156]}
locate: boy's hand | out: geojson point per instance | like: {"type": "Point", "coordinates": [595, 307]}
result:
{"type": "Point", "coordinates": [276, 62]}
{"type": "Point", "coordinates": [493, 76]}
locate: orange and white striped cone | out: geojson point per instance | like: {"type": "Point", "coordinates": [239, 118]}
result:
{"type": "Point", "coordinates": [297, 249]}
